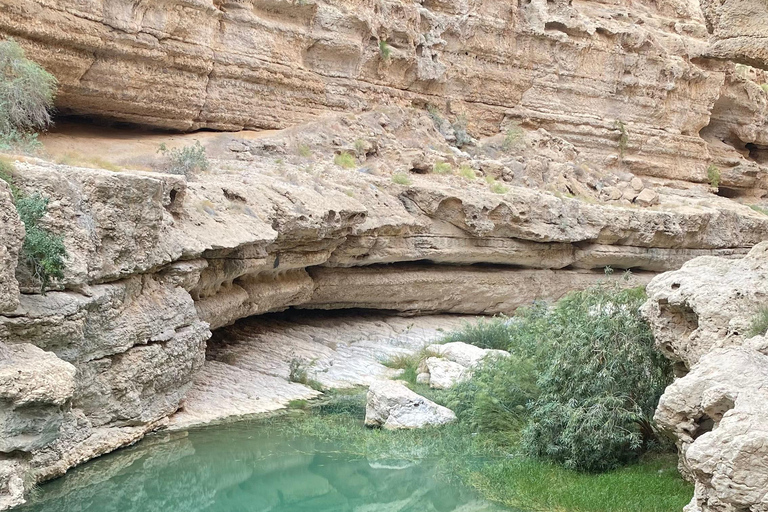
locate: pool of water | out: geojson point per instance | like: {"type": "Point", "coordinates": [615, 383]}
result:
{"type": "Point", "coordinates": [244, 467]}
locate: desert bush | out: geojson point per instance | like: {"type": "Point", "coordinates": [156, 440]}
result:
{"type": "Point", "coordinates": [460, 131]}
{"type": "Point", "coordinates": [186, 161]}
{"type": "Point", "coordinates": [345, 160]}
{"type": "Point", "coordinates": [442, 168]}
{"type": "Point", "coordinates": [498, 188]}
{"type": "Point", "coordinates": [385, 50]}
{"type": "Point", "coordinates": [42, 252]}
{"type": "Point", "coordinates": [713, 175]}
{"type": "Point", "coordinates": [623, 137]}
{"type": "Point", "coordinates": [26, 98]}
{"type": "Point", "coordinates": [401, 179]}
{"type": "Point", "coordinates": [512, 138]}
{"type": "Point", "coordinates": [600, 381]}
{"type": "Point", "coordinates": [759, 324]}
{"type": "Point", "coordinates": [467, 172]}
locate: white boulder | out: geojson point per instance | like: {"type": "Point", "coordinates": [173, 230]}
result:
{"type": "Point", "coordinates": [391, 405]}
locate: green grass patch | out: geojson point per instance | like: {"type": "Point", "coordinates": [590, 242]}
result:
{"type": "Point", "coordinates": [442, 168]}
{"type": "Point", "coordinates": [401, 179]}
{"type": "Point", "coordinates": [713, 175]}
{"type": "Point", "coordinates": [467, 172]}
{"type": "Point", "coordinates": [345, 160]}
{"type": "Point", "coordinates": [759, 209]}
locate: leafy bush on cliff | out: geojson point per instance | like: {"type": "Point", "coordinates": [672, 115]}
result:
{"type": "Point", "coordinates": [42, 252]}
{"type": "Point", "coordinates": [186, 161]}
{"type": "Point", "coordinates": [26, 98]}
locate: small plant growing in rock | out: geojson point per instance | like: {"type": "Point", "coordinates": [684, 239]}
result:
{"type": "Point", "coordinates": [186, 161]}
{"type": "Point", "coordinates": [401, 179]}
{"type": "Point", "coordinates": [385, 50]}
{"type": "Point", "coordinates": [298, 372]}
{"type": "Point", "coordinates": [512, 138]}
{"type": "Point", "coordinates": [460, 131]}
{"type": "Point", "coordinates": [498, 188]}
{"type": "Point", "coordinates": [26, 98]}
{"type": "Point", "coordinates": [345, 160]}
{"type": "Point", "coordinates": [360, 147]}
{"type": "Point", "coordinates": [759, 209]}
{"type": "Point", "coordinates": [623, 137]}
{"type": "Point", "coordinates": [434, 113]}
{"type": "Point", "coordinates": [42, 252]}
{"type": "Point", "coordinates": [442, 168]}
{"type": "Point", "coordinates": [759, 324]}
{"type": "Point", "coordinates": [467, 172]}
{"type": "Point", "coordinates": [304, 151]}
{"type": "Point", "coordinates": [713, 176]}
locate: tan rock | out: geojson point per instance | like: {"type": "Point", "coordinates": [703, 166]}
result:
{"type": "Point", "coordinates": [647, 197]}
{"type": "Point", "coordinates": [11, 239]}
{"type": "Point", "coordinates": [392, 406]}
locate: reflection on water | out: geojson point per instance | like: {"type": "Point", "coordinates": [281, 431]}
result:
{"type": "Point", "coordinates": [246, 468]}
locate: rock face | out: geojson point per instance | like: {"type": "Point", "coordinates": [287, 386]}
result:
{"type": "Point", "coordinates": [453, 363]}
{"type": "Point", "coordinates": [11, 236]}
{"type": "Point", "coordinates": [701, 316]}
{"type": "Point", "coordinates": [392, 406]}
{"type": "Point", "coordinates": [644, 88]}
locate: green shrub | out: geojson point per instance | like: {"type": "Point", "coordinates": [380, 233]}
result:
{"type": "Point", "coordinates": [460, 131]}
{"type": "Point", "coordinates": [442, 168]}
{"type": "Point", "coordinates": [512, 138]}
{"type": "Point", "coordinates": [186, 161]}
{"type": "Point", "coordinates": [304, 151]}
{"type": "Point", "coordinates": [384, 50]}
{"type": "Point", "coordinates": [345, 160]}
{"type": "Point", "coordinates": [623, 137]}
{"type": "Point", "coordinates": [600, 382]}
{"type": "Point", "coordinates": [26, 98]}
{"type": "Point", "coordinates": [759, 324]}
{"type": "Point", "coordinates": [467, 172]}
{"type": "Point", "coordinates": [498, 188]}
{"type": "Point", "coordinates": [713, 175]}
{"type": "Point", "coordinates": [759, 209]}
{"type": "Point", "coordinates": [42, 252]}
{"type": "Point", "coordinates": [401, 179]}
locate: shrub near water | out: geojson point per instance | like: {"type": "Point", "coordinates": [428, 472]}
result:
{"type": "Point", "coordinates": [42, 252]}
{"type": "Point", "coordinates": [26, 98]}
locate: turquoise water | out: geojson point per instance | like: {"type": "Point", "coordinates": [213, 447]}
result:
{"type": "Point", "coordinates": [244, 467]}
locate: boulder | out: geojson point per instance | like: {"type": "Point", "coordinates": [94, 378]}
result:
{"type": "Point", "coordinates": [444, 374]}
{"type": "Point", "coordinates": [391, 405]}
{"type": "Point", "coordinates": [647, 197]}
{"type": "Point", "coordinates": [708, 303]}
{"type": "Point", "coordinates": [464, 354]}
{"type": "Point", "coordinates": [35, 386]}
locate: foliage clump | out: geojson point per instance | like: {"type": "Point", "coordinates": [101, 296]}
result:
{"type": "Point", "coordinates": [442, 168]}
{"type": "Point", "coordinates": [27, 92]}
{"type": "Point", "coordinates": [401, 179]}
{"type": "Point", "coordinates": [713, 175]}
{"type": "Point", "coordinates": [623, 137]}
{"type": "Point", "coordinates": [759, 324]}
{"type": "Point", "coordinates": [186, 161]}
{"type": "Point", "coordinates": [585, 371]}
{"type": "Point", "coordinates": [385, 50]}
{"type": "Point", "coordinates": [345, 160]}
{"type": "Point", "coordinates": [43, 253]}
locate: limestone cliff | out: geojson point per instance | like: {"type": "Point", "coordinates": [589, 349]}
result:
{"type": "Point", "coordinates": [651, 78]}
{"type": "Point", "coordinates": [701, 316]}
{"type": "Point", "coordinates": [579, 135]}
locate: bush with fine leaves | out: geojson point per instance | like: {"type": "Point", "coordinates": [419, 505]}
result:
{"type": "Point", "coordinates": [26, 98]}
{"type": "Point", "coordinates": [581, 384]}
{"type": "Point", "coordinates": [599, 382]}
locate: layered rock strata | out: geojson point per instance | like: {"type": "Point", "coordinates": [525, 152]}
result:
{"type": "Point", "coordinates": [157, 261]}
{"type": "Point", "coordinates": [703, 317]}
{"type": "Point", "coordinates": [649, 87]}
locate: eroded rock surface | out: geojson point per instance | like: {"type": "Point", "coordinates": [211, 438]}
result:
{"type": "Point", "coordinates": [392, 406]}
{"type": "Point", "coordinates": [701, 316]}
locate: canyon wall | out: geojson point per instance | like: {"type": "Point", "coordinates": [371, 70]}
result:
{"type": "Point", "coordinates": [579, 135]}
{"type": "Point", "coordinates": [654, 79]}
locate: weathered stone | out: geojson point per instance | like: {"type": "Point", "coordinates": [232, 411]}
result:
{"type": "Point", "coordinates": [707, 304]}
{"type": "Point", "coordinates": [647, 197]}
{"type": "Point", "coordinates": [392, 406]}
{"type": "Point", "coordinates": [444, 374]}
{"type": "Point", "coordinates": [11, 238]}
{"type": "Point", "coordinates": [35, 387]}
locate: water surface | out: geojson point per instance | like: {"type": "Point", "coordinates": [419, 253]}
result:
{"type": "Point", "coordinates": [245, 467]}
